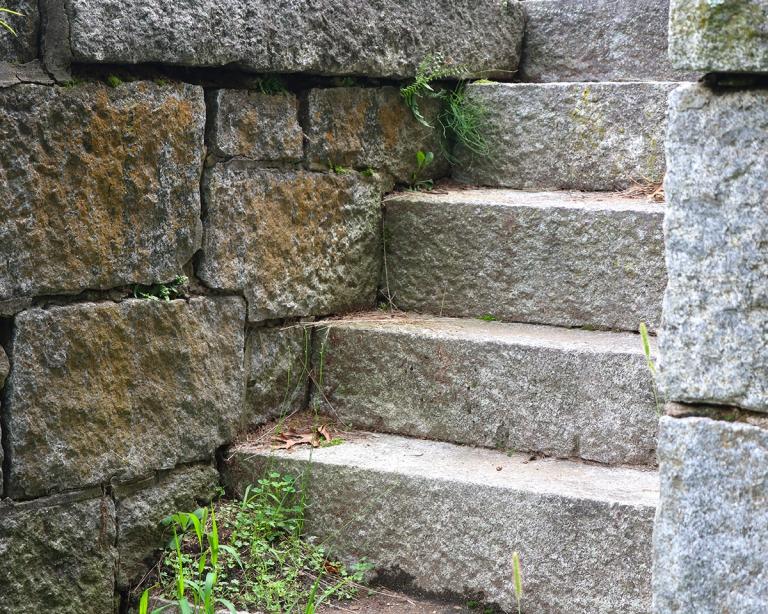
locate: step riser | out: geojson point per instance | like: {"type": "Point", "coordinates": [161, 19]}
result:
{"type": "Point", "coordinates": [559, 266]}
{"type": "Point", "coordinates": [456, 538]}
{"type": "Point", "coordinates": [567, 402]}
{"type": "Point", "coordinates": [595, 40]}
{"type": "Point", "coordinates": [582, 136]}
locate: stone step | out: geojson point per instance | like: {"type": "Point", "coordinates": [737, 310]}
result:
{"type": "Point", "coordinates": [568, 259]}
{"type": "Point", "coordinates": [561, 392]}
{"type": "Point", "coordinates": [597, 40]}
{"type": "Point", "coordinates": [446, 519]}
{"type": "Point", "coordinates": [582, 136]}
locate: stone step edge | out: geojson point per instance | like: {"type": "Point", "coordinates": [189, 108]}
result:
{"type": "Point", "coordinates": [453, 463]}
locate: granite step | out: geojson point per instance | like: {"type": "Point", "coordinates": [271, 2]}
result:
{"type": "Point", "coordinates": [581, 136]}
{"type": "Point", "coordinates": [566, 393]}
{"type": "Point", "coordinates": [561, 258]}
{"type": "Point", "coordinates": [445, 519]}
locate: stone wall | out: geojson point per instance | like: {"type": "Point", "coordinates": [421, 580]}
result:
{"type": "Point", "coordinates": [711, 544]}
{"type": "Point", "coordinates": [146, 141]}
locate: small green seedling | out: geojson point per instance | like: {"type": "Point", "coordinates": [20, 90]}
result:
{"type": "Point", "coordinates": [162, 292]}
{"type": "Point", "coordinates": [488, 318]}
{"type": "Point", "coordinates": [5, 24]}
{"type": "Point", "coordinates": [518, 579]}
{"type": "Point", "coordinates": [114, 81]}
{"type": "Point", "coordinates": [651, 364]}
{"type": "Point", "coordinates": [337, 169]}
{"type": "Point", "coordinates": [423, 161]}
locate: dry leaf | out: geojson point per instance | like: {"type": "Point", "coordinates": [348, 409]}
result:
{"type": "Point", "coordinates": [325, 432]}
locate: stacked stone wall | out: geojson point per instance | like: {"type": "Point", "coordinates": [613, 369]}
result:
{"type": "Point", "coordinates": [244, 145]}
{"type": "Point", "coordinates": [711, 544]}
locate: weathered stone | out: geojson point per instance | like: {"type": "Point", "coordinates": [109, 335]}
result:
{"type": "Point", "coordinates": [141, 507]}
{"type": "Point", "coordinates": [116, 391]}
{"type": "Point", "coordinates": [596, 40]}
{"type": "Point", "coordinates": [569, 259]}
{"type": "Point", "coordinates": [101, 185]}
{"type": "Point", "coordinates": [277, 371]}
{"type": "Point", "coordinates": [257, 126]}
{"type": "Point", "coordinates": [16, 74]}
{"type": "Point", "coordinates": [295, 243]}
{"type": "Point", "coordinates": [58, 556]}
{"type": "Point", "coordinates": [21, 48]}
{"type": "Point", "coordinates": [4, 368]}
{"type": "Point", "coordinates": [371, 127]}
{"type": "Point", "coordinates": [561, 392]}
{"type": "Point", "coordinates": [377, 39]}
{"type": "Point", "coordinates": [710, 542]}
{"type": "Point", "coordinates": [449, 518]}
{"type": "Point", "coordinates": [582, 136]}
{"type": "Point", "coordinates": [714, 343]}
{"type": "Point", "coordinates": [719, 36]}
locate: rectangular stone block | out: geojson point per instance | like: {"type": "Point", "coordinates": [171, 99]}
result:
{"type": "Point", "coordinates": [596, 40]}
{"type": "Point", "coordinates": [560, 392]}
{"type": "Point", "coordinates": [719, 36]}
{"type": "Point", "coordinates": [371, 127]}
{"type": "Point", "coordinates": [58, 555]}
{"type": "Point", "coordinates": [379, 39]}
{"type": "Point", "coordinates": [568, 259]}
{"type": "Point", "coordinates": [710, 540]}
{"type": "Point", "coordinates": [142, 506]}
{"type": "Point", "coordinates": [277, 368]}
{"type": "Point", "coordinates": [254, 125]}
{"type": "Point", "coordinates": [446, 519]}
{"type": "Point", "coordinates": [295, 243]}
{"type": "Point", "coordinates": [106, 391]}
{"type": "Point", "coordinates": [101, 185]}
{"type": "Point", "coordinates": [581, 136]}
{"type": "Point", "coordinates": [714, 342]}
{"type": "Point", "coordinates": [23, 47]}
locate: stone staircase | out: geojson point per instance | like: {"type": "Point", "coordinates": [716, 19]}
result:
{"type": "Point", "coordinates": [535, 433]}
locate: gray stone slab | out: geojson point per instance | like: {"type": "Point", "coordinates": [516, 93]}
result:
{"type": "Point", "coordinates": [714, 343]}
{"type": "Point", "coordinates": [380, 39]}
{"type": "Point", "coordinates": [570, 259]}
{"type": "Point", "coordinates": [58, 556]}
{"type": "Point", "coordinates": [141, 507]}
{"type": "Point", "coordinates": [23, 47]}
{"type": "Point", "coordinates": [597, 40]}
{"type": "Point", "coordinates": [560, 392]}
{"type": "Point", "coordinates": [101, 185]}
{"type": "Point", "coordinates": [295, 243]}
{"type": "Point", "coordinates": [582, 136]}
{"type": "Point", "coordinates": [103, 391]}
{"type": "Point", "coordinates": [449, 518]}
{"type": "Point", "coordinates": [710, 542]}
{"type": "Point", "coordinates": [722, 36]}
{"type": "Point", "coordinates": [372, 128]}
{"type": "Point", "coordinates": [277, 370]}
{"type": "Point", "coordinates": [255, 125]}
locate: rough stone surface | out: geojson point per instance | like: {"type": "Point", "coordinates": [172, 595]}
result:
{"type": "Point", "coordinates": [596, 40]}
{"type": "Point", "coordinates": [31, 72]}
{"type": "Point", "coordinates": [569, 259]}
{"type": "Point", "coordinates": [141, 507]}
{"type": "Point", "coordinates": [561, 392]}
{"type": "Point", "coordinates": [719, 36]}
{"type": "Point", "coordinates": [449, 519]}
{"type": "Point", "coordinates": [101, 185]}
{"type": "Point", "coordinates": [296, 243]}
{"type": "Point", "coordinates": [58, 556]}
{"type": "Point", "coordinates": [371, 127]}
{"type": "Point", "coordinates": [277, 371]}
{"type": "Point", "coordinates": [4, 368]}
{"type": "Point", "coordinates": [254, 125]}
{"type": "Point", "coordinates": [21, 48]}
{"type": "Point", "coordinates": [582, 136]}
{"type": "Point", "coordinates": [714, 345]}
{"type": "Point", "coordinates": [710, 543]}
{"type": "Point", "coordinates": [377, 39]}
{"type": "Point", "coordinates": [104, 391]}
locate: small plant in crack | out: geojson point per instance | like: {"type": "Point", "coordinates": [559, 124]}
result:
{"type": "Point", "coordinates": [162, 292]}
{"type": "Point", "coordinates": [4, 24]}
{"type": "Point", "coordinates": [646, 341]}
{"type": "Point", "coordinates": [423, 162]}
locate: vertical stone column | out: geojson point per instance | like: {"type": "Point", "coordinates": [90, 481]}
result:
{"type": "Point", "coordinates": [711, 535]}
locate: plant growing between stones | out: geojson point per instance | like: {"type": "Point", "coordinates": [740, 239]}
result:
{"type": "Point", "coordinates": [518, 580]}
{"type": "Point", "coordinates": [423, 161]}
{"type": "Point", "coordinates": [5, 24]}
{"type": "Point", "coordinates": [162, 292]}
{"type": "Point", "coordinates": [644, 337]}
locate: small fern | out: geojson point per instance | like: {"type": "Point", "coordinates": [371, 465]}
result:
{"type": "Point", "coordinates": [432, 68]}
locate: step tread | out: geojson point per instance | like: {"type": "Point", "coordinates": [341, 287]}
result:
{"type": "Point", "coordinates": [570, 339]}
{"type": "Point", "coordinates": [502, 197]}
{"type": "Point", "coordinates": [433, 460]}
